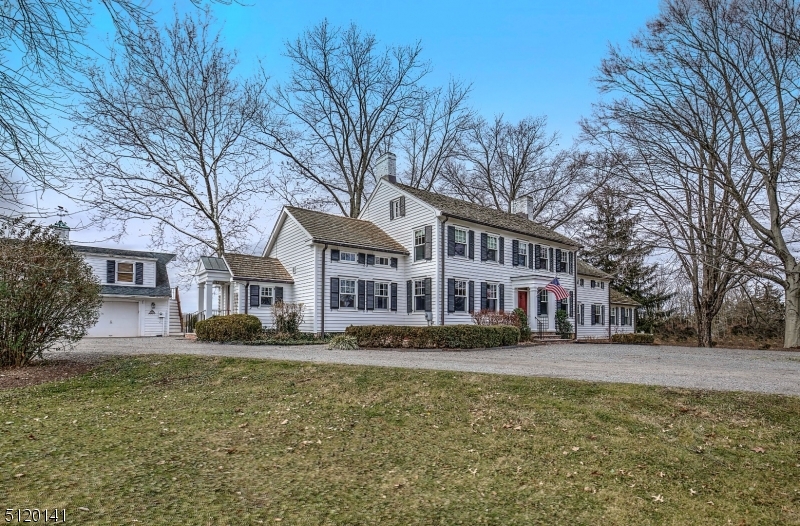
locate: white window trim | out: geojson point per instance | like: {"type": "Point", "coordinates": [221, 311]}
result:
{"type": "Point", "coordinates": [388, 295]}
{"type": "Point", "coordinates": [387, 264]}
{"type": "Point", "coordinates": [354, 294]}
{"type": "Point", "coordinates": [395, 204]}
{"type": "Point", "coordinates": [132, 282]}
{"type": "Point", "coordinates": [414, 245]}
{"type": "Point", "coordinates": [343, 252]}
{"type": "Point", "coordinates": [496, 248]}
{"type": "Point", "coordinates": [523, 247]}
{"type": "Point", "coordinates": [271, 296]}
{"type": "Point", "coordinates": [414, 294]}
{"type": "Point", "coordinates": [456, 281]}
{"type": "Point", "coordinates": [545, 252]}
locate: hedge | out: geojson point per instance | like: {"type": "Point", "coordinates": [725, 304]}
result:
{"type": "Point", "coordinates": [637, 338]}
{"type": "Point", "coordinates": [234, 327]}
{"type": "Point", "coordinates": [434, 337]}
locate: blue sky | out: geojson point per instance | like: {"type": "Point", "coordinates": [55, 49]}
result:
{"type": "Point", "coordinates": [522, 58]}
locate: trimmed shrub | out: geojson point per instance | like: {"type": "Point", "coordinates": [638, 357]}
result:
{"type": "Point", "coordinates": [343, 342]}
{"type": "Point", "coordinates": [491, 317]}
{"type": "Point", "coordinates": [563, 326]}
{"type": "Point", "coordinates": [231, 328]}
{"type": "Point", "coordinates": [632, 338]}
{"type": "Point", "coordinates": [435, 337]}
{"type": "Point", "coordinates": [524, 328]}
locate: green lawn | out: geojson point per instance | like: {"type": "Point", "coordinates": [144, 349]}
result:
{"type": "Point", "coordinates": [190, 440]}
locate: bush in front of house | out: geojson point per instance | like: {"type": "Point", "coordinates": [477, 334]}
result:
{"type": "Point", "coordinates": [343, 342]}
{"type": "Point", "coordinates": [287, 317]}
{"type": "Point", "coordinates": [49, 296]}
{"type": "Point", "coordinates": [632, 338]}
{"type": "Point", "coordinates": [231, 328]}
{"type": "Point", "coordinates": [563, 325]}
{"type": "Point", "coordinates": [524, 328]}
{"type": "Point", "coordinates": [434, 337]}
{"type": "Point", "coordinates": [491, 317]}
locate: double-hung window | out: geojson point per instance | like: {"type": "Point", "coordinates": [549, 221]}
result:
{"type": "Point", "coordinates": [522, 258]}
{"type": "Point", "coordinates": [395, 204]}
{"type": "Point", "coordinates": [491, 296]}
{"type": "Point", "coordinates": [543, 300]}
{"type": "Point", "coordinates": [612, 316]}
{"type": "Point", "coordinates": [491, 248]}
{"type": "Point", "coordinates": [419, 244]}
{"type": "Point", "coordinates": [598, 315]}
{"type": "Point", "coordinates": [382, 261]}
{"type": "Point", "coordinates": [347, 293]}
{"type": "Point", "coordinates": [381, 296]}
{"type": "Point", "coordinates": [564, 305]}
{"type": "Point", "coordinates": [602, 285]}
{"type": "Point", "coordinates": [543, 260]}
{"type": "Point", "coordinates": [564, 261]}
{"type": "Point", "coordinates": [460, 301]}
{"type": "Point", "coordinates": [580, 282]}
{"type": "Point", "coordinates": [125, 272]}
{"type": "Point", "coordinates": [419, 295]}
{"type": "Point", "coordinates": [460, 242]}
{"type": "Point", "coordinates": [348, 256]}
{"type": "Point", "coordinates": [266, 296]}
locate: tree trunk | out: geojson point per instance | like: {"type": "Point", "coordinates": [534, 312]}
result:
{"type": "Point", "coordinates": [792, 331]}
{"type": "Point", "coordinates": [704, 320]}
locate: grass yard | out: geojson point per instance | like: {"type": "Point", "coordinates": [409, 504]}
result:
{"type": "Point", "coordinates": [191, 440]}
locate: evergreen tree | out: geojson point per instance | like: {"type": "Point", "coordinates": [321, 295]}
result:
{"type": "Point", "coordinates": [612, 244]}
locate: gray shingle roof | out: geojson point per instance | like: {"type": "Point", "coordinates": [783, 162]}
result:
{"type": "Point", "coordinates": [585, 269]}
{"type": "Point", "coordinates": [213, 263]}
{"type": "Point", "coordinates": [345, 231]}
{"type": "Point", "coordinates": [162, 288]}
{"type": "Point", "coordinates": [486, 216]}
{"type": "Point", "coordinates": [618, 298]}
{"type": "Point", "coordinates": [243, 266]}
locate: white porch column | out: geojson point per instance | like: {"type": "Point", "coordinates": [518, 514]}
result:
{"type": "Point", "coordinates": [209, 299]}
{"type": "Point", "coordinates": [201, 296]}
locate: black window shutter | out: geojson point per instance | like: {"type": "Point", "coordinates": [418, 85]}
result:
{"type": "Point", "coordinates": [552, 260]}
{"type": "Point", "coordinates": [428, 242]}
{"type": "Point", "coordinates": [558, 260]}
{"type": "Point", "coordinates": [571, 263]}
{"type": "Point", "coordinates": [393, 297]}
{"type": "Point", "coordinates": [111, 271]}
{"type": "Point", "coordinates": [402, 206]}
{"type": "Point", "coordinates": [362, 258]}
{"type": "Point", "coordinates": [471, 244]}
{"type": "Point", "coordinates": [334, 293]}
{"type": "Point", "coordinates": [538, 302]}
{"type": "Point", "coordinates": [451, 295]}
{"type": "Point", "coordinates": [391, 210]}
{"type": "Point", "coordinates": [451, 240]}
{"type": "Point", "coordinates": [428, 295]}
{"type": "Point", "coordinates": [139, 273]}
{"type": "Point", "coordinates": [484, 237]}
{"type": "Point", "coordinates": [393, 262]}
{"type": "Point", "coordinates": [362, 290]}
{"type": "Point", "coordinates": [592, 284]}
{"type": "Point", "coordinates": [409, 296]}
{"type": "Point", "coordinates": [594, 308]}
{"type": "Point", "coordinates": [530, 255]}
{"type": "Point", "coordinates": [370, 259]}
{"type": "Point", "coordinates": [602, 314]}
{"type": "Point", "coordinates": [571, 304]}
{"type": "Point", "coordinates": [537, 256]}
{"type": "Point", "coordinates": [370, 295]}
{"type": "Point", "coordinates": [515, 253]}
{"type": "Point", "coordinates": [501, 291]}
{"type": "Point", "coordinates": [483, 295]}
{"type": "Point", "coordinates": [278, 294]}
{"type": "Point", "coordinates": [255, 295]}
{"type": "Point", "coordinates": [501, 247]}
{"type": "Point", "coordinates": [334, 255]}
{"type": "Point", "coordinates": [471, 297]}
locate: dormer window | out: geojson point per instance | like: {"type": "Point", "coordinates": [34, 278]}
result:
{"type": "Point", "coordinates": [125, 272]}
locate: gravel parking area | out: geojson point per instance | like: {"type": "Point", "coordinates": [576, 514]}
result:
{"type": "Point", "coordinates": [718, 369]}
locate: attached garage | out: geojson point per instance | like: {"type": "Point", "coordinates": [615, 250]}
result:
{"type": "Point", "coordinates": [119, 319]}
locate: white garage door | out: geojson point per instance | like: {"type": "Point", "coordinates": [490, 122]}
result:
{"type": "Point", "coordinates": [118, 319]}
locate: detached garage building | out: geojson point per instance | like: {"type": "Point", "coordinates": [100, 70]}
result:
{"type": "Point", "coordinates": [135, 289]}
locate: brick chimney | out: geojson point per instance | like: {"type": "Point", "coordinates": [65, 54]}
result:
{"type": "Point", "coordinates": [386, 167]}
{"type": "Point", "coordinates": [523, 206]}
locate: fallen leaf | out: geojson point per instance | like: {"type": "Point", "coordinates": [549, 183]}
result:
{"type": "Point", "coordinates": [242, 425]}
{"type": "Point", "coordinates": [757, 449]}
{"type": "Point", "coordinates": [81, 508]}
{"type": "Point", "coordinates": [657, 498]}
{"type": "Point", "coordinates": [575, 448]}
{"type": "Point", "coordinates": [284, 422]}
{"type": "Point", "coordinates": [18, 475]}
{"type": "Point", "coordinates": [692, 492]}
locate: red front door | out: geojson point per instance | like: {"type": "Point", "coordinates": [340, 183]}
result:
{"type": "Point", "coordinates": [522, 300]}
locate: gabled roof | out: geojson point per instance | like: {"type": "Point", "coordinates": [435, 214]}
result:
{"type": "Point", "coordinates": [256, 268]}
{"type": "Point", "coordinates": [162, 288]}
{"type": "Point", "coordinates": [484, 215]}
{"type": "Point", "coordinates": [345, 231]}
{"type": "Point", "coordinates": [618, 298]}
{"type": "Point", "coordinates": [585, 269]}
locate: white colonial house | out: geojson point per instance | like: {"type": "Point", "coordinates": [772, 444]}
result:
{"type": "Point", "coordinates": [137, 298]}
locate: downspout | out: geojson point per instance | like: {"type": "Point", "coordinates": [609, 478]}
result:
{"type": "Point", "coordinates": [608, 291]}
{"type": "Point", "coordinates": [575, 288]}
{"type": "Point", "coordinates": [246, 296]}
{"type": "Point", "coordinates": [443, 242]}
{"type": "Point", "coordinates": [322, 310]}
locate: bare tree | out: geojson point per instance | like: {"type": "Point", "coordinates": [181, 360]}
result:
{"type": "Point", "coordinates": [502, 161]}
{"type": "Point", "coordinates": [345, 100]}
{"type": "Point", "coordinates": [720, 78]}
{"type": "Point", "coordinates": [166, 140]}
{"type": "Point", "coordinates": [433, 137]}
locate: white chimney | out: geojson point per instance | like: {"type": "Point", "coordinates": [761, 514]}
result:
{"type": "Point", "coordinates": [62, 230]}
{"type": "Point", "coordinates": [386, 167]}
{"type": "Point", "coordinates": [523, 206]}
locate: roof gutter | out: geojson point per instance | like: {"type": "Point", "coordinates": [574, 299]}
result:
{"type": "Point", "coordinates": [494, 226]}
{"type": "Point", "coordinates": [327, 242]}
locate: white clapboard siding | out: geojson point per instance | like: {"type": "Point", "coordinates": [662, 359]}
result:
{"type": "Point", "coordinates": [153, 324]}
{"type": "Point", "coordinates": [98, 264]}
{"type": "Point", "coordinates": [618, 327]}
{"type": "Point", "coordinates": [264, 312]}
{"type": "Point", "coordinates": [294, 250]}
{"type": "Point", "coordinates": [593, 296]}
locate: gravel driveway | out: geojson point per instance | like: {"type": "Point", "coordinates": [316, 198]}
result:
{"type": "Point", "coordinates": [720, 369]}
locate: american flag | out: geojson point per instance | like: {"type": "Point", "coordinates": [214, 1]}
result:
{"type": "Point", "coordinates": [556, 288]}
